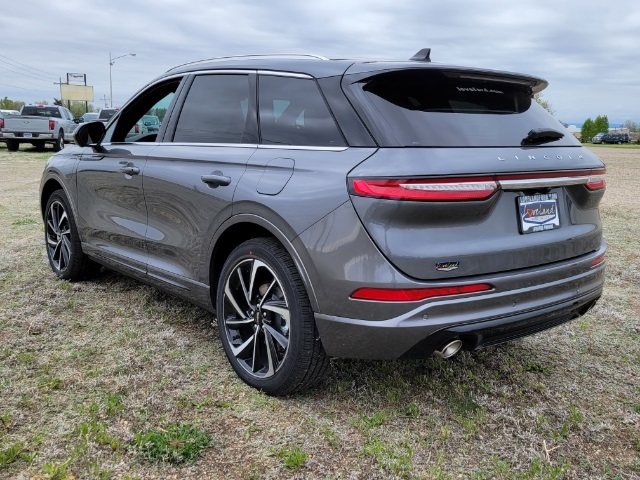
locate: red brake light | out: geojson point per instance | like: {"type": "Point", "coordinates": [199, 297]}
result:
{"type": "Point", "coordinates": [434, 190]}
{"type": "Point", "coordinates": [52, 125]}
{"type": "Point", "coordinates": [597, 180]}
{"type": "Point", "coordinates": [416, 294]}
{"type": "Point", "coordinates": [597, 261]}
{"type": "Point", "coordinates": [137, 128]}
{"type": "Point", "coordinates": [1, 122]}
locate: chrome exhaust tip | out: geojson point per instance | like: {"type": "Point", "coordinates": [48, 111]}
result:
{"type": "Point", "coordinates": [449, 349]}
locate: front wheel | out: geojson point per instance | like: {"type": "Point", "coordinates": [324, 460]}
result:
{"type": "Point", "coordinates": [265, 320]}
{"type": "Point", "coordinates": [63, 242]}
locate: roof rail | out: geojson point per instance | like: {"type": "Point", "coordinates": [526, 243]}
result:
{"type": "Point", "coordinates": [271, 55]}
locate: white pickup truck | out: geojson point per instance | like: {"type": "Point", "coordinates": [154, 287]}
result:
{"type": "Point", "coordinates": [38, 125]}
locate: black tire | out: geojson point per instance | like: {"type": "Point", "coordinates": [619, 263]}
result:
{"type": "Point", "coordinates": [59, 143]}
{"type": "Point", "coordinates": [268, 351]}
{"type": "Point", "coordinates": [13, 145]}
{"type": "Point", "coordinates": [62, 241]}
{"type": "Point", "coordinates": [38, 145]}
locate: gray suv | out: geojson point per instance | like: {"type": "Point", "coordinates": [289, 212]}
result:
{"type": "Point", "coordinates": [337, 208]}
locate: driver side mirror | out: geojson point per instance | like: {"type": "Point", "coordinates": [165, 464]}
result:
{"type": "Point", "coordinates": [89, 134]}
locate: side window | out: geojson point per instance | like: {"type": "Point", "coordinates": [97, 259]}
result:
{"type": "Point", "coordinates": [142, 119]}
{"type": "Point", "coordinates": [293, 112]}
{"type": "Point", "coordinates": [217, 110]}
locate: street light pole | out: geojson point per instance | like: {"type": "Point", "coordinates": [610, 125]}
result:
{"type": "Point", "coordinates": [111, 61]}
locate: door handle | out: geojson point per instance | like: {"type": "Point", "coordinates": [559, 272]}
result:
{"type": "Point", "coordinates": [215, 180]}
{"type": "Point", "coordinates": [130, 170]}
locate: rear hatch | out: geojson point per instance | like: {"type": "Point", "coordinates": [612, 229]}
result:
{"type": "Point", "coordinates": [473, 177]}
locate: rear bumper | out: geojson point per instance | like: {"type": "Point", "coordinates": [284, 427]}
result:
{"type": "Point", "coordinates": [477, 320]}
{"type": "Point", "coordinates": [34, 136]}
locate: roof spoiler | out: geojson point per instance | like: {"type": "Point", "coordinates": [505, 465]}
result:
{"type": "Point", "coordinates": [423, 55]}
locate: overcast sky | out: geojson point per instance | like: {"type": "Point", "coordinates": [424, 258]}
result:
{"type": "Point", "coordinates": [589, 51]}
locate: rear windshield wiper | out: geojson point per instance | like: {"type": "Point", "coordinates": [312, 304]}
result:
{"type": "Point", "coordinates": [542, 135]}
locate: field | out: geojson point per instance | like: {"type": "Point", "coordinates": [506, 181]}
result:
{"type": "Point", "coordinates": [114, 379]}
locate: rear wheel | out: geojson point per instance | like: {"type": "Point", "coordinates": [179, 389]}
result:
{"type": "Point", "coordinates": [12, 145]}
{"type": "Point", "coordinates": [59, 144]}
{"type": "Point", "coordinates": [265, 320]}
{"type": "Point", "coordinates": [63, 242]}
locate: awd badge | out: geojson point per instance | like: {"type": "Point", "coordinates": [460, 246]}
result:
{"type": "Point", "coordinates": [447, 266]}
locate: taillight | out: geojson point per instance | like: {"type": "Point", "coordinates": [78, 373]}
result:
{"type": "Point", "coordinates": [428, 190]}
{"type": "Point", "coordinates": [597, 180]}
{"type": "Point", "coordinates": [473, 188]}
{"type": "Point", "coordinates": [1, 122]}
{"type": "Point", "coordinates": [137, 128]}
{"type": "Point", "coordinates": [597, 261]}
{"type": "Point", "coordinates": [416, 294]}
{"type": "Point", "coordinates": [52, 125]}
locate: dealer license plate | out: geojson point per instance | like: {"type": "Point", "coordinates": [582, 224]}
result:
{"type": "Point", "coordinates": [26, 135]}
{"type": "Point", "coordinates": [538, 213]}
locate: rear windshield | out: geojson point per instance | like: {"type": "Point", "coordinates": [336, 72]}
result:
{"type": "Point", "coordinates": [450, 109]}
{"type": "Point", "coordinates": [41, 111]}
{"type": "Point", "coordinates": [107, 113]}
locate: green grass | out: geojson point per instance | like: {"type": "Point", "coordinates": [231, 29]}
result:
{"type": "Point", "coordinates": [175, 443]}
{"type": "Point", "coordinates": [102, 379]}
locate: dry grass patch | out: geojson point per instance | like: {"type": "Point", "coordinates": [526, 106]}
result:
{"type": "Point", "coordinates": [87, 368]}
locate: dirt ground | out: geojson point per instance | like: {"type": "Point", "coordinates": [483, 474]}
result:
{"type": "Point", "coordinates": [85, 367]}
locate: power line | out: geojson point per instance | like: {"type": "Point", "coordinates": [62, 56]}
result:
{"type": "Point", "coordinates": [23, 88]}
{"type": "Point", "coordinates": [28, 66]}
{"type": "Point", "coordinates": [26, 75]}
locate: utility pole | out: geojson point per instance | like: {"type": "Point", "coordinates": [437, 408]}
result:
{"type": "Point", "coordinates": [104, 99]}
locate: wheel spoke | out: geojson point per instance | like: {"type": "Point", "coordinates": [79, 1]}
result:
{"type": "Point", "coordinates": [243, 321]}
{"type": "Point", "coordinates": [232, 300]}
{"type": "Point", "coordinates": [254, 268]}
{"type": "Point", "coordinates": [283, 311]}
{"type": "Point", "coordinates": [241, 348]}
{"type": "Point", "coordinates": [256, 353]}
{"type": "Point", "coordinates": [244, 288]}
{"type": "Point", "coordinates": [277, 336]}
{"type": "Point", "coordinates": [65, 254]}
{"type": "Point", "coordinates": [51, 226]}
{"type": "Point", "coordinates": [62, 219]}
{"type": "Point", "coordinates": [271, 353]}
{"type": "Point", "coordinates": [266, 294]}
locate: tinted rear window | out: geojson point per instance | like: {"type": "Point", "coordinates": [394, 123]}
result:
{"type": "Point", "coordinates": [41, 111]}
{"type": "Point", "coordinates": [442, 109]}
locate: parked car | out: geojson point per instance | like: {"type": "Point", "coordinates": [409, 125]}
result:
{"type": "Point", "coordinates": [152, 122]}
{"type": "Point", "coordinates": [88, 117]}
{"type": "Point", "coordinates": [338, 208]}
{"type": "Point", "coordinates": [598, 138]}
{"type": "Point", "coordinates": [39, 125]}
{"type": "Point", "coordinates": [615, 138]}
{"type": "Point", "coordinates": [106, 114]}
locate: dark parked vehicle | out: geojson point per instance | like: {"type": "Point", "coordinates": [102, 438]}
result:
{"type": "Point", "coordinates": [88, 117]}
{"type": "Point", "coordinates": [363, 209]}
{"type": "Point", "coordinates": [615, 138]}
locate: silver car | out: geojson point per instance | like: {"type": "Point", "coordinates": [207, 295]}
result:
{"type": "Point", "coordinates": [337, 208]}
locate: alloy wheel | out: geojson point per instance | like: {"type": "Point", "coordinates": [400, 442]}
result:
{"type": "Point", "coordinates": [256, 318]}
{"type": "Point", "coordinates": [58, 231]}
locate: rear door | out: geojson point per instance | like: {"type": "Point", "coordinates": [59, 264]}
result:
{"type": "Point", "coordinates": [191, 177]}
{"type": "Point", "coordinates": [461, 186]}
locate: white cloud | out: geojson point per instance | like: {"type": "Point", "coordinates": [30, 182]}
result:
{"type": "Point", "coordinates": [589, 53]}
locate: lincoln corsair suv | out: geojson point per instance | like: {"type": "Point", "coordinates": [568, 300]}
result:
{"type": "Point", "coordinates": [337, 208]}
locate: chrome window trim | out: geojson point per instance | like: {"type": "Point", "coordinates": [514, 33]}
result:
{"type": "Point", "coordinates": [279, 73]}
{"type": "Point", "coordinates": [542, 182]}
{"type": "Point", "coordinates": [303, 147]}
